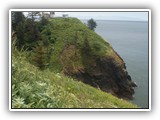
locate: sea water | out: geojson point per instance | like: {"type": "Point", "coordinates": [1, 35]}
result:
{"type": "Point", "coordinates": [130, 40]}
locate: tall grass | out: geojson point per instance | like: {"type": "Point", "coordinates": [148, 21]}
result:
{"type": "Point", "coordinates": [33, 88]}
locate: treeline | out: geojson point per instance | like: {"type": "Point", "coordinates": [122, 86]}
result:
{"type": "Point", "coordinates": [33, 35]}
{"type": "Point", "coordinates": [28, 30]}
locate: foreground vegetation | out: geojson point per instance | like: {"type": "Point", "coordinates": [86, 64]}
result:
{"type": "Point", "coordinates": [33, 88]}
{"type": "Point", "coordinates": [44, 51]}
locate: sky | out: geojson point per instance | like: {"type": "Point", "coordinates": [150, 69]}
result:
{"type": "Point", "coordinates": [130, 16]}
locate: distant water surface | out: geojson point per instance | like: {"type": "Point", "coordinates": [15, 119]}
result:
{"type": "Point", "coordinates": [130, 40]}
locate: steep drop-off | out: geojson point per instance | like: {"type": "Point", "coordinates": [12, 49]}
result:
{"type": "Point", "coordinates": [81, 53]}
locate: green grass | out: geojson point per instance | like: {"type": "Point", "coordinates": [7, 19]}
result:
{"type": "Point", "coordinates": [32, 88]}
{"type": "Point", "coordinates": [64, 31]}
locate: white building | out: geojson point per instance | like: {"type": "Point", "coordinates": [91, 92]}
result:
{"type": "Point", "coordinates": [48, 14]}
{"type": "Point", "coordinates": [45, 15]}
{"type": "Point", "coordinates": [52, 14]}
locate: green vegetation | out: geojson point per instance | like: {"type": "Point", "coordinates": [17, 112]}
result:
{"type": "Point", "coordinates": [67, 32]}
{"type": "Point", "coordinates": [46, 50]}
{"type": "Point", "coordinates": [91, 24]}
{"type": "Point", "coordinates": [33, 88]}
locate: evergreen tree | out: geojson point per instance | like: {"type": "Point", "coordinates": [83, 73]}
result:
{"type": "Point", "coordinates": [39, 57]}
{"type": "Point", "coordinates": [32, 34]}
{"type": "Point", "coordinates": [42, 55]}
{"type": "Point", "coordinates": [20, 31]}
{"type": "Point", "coordinates": [43, 23]}
{"type": "Point", "coordinates": [28, 31]}
{"type": "Point", "coordinates": [17, 17]}
{"type": "Point", "coordinates": [18, 26]}
{"type": "Point", "coordinates": [91, 24]}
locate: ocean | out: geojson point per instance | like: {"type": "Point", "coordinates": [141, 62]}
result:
{"type": "Point", "coordinates": [130, 40]}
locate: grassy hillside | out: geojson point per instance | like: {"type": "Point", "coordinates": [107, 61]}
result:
{"type": "Point", "coordinates": [71, 34]}
{"type": "Point", "coordinates": [73, 50]}
{"type": "Point", "coordinates": [33, 88]}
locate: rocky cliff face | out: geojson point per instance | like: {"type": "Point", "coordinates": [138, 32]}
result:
{"type": "Point", "coordinates": [107, 73]}
{"type": "Point", "coordinates": [81, 53]}
{"type": "Point", "coordinates": [109, 77]}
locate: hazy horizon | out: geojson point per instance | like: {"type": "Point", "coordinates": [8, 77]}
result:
{"type": "Point", "coordinates": [120, 16]}
{"type": "Point", "coordinates": [123, 16]}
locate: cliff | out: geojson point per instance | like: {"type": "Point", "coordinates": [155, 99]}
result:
{"type": "Point", "coordinates": [81, 53]}
{"type": "Point", "coordinates": [36, 89]}
{"type": "Point", "coordinates": [83, 71]}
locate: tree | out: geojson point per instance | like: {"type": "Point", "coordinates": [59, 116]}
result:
{"type": "Point", "coordinates": [18, 26]}
{"type": "Point", "coordinates": [17, 17]}
{"type": "Point", "coordinates": [20, 31]}
{"type": "Point", "coordinates": [28, 31]}
{"type": "Point", "coordinates": [32, 15]}
{"type": "Point", "coordinates": [39, 57]}
{"type": "Point", "coordinates": [32, 34]}
{"type": "Point", "coordinates": [42, 55]}
{"type": "Point", "coordinates": [91, 24]}
{"type": "Point", "coordinates": [43, 22]}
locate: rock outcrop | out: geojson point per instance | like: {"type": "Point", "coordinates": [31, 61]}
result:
{"type": "Point", "coordinates": [110, 78]}
{"type": "Point", "coordinates": [106, 73]}
{"type": "Point", "coordinates": [81, 53]}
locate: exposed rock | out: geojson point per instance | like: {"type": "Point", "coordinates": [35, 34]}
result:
{"type": "Point", "coordinates": [110, 78]}
{"type": "Point", "coordinates": [107, 73]}
{"type": "Point", "coordinates": [92, 60]}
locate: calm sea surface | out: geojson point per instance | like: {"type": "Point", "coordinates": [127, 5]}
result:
{"type": "Point", "coordinates": [130, 40]}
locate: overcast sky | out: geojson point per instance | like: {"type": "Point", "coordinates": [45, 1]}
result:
{"type": "Point", "coordinates": [133, 16]}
